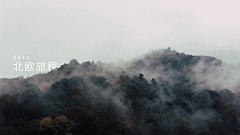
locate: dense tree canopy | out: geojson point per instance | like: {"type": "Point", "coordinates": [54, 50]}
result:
{"type": "Point", "coordinates": [165, 92]}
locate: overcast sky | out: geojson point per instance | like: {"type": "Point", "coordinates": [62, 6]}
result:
{"type": "Point", "coordinates": [106, 30]}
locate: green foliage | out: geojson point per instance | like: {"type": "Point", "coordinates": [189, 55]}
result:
{"type": "Point", "coordinates": [144, 104]}
{"type": "Point", "coordinates": [78, 114]}
{"type": "Point", "coordinates": [182, 104]}
{"type": "Point", "coordinates": [99, 81]}
{"type": "Point", "coordinates": [227, 96]}
{"type": "Point", "coordinates": [212, 93]}
{"type": "Point", "coordinates": [63, 84]}
{"type": "Point", "coordinates": [138, 87]}
{"type": "Point", "coordinates": [128, 105]}
{"type": "Point", "coordinates": [104, 122]}
{"type": "Point", "coordinates": [66, 92]}
{"type": "Point", "coordinates": [153, 81]}
{"type": "Point", "coordinates": [77, 80]}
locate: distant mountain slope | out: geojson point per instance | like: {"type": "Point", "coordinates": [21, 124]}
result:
{"type": "Point", "coordinates": [164, 92]}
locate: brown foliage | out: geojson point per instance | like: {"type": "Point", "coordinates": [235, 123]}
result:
{"type": "Point", "coordinates": [169, 65]}
{"type": "Point", "coordinates": [57, 126]}
{"type": "Point", "coordinates": [6, 101]}
{"type": "Point", "coordinates": [77, 87]}
{"type": "Point", "coordinates": [122, 127]}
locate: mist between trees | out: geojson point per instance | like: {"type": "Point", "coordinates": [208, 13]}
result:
{"type": "Point", "coordinates": [163, 92]}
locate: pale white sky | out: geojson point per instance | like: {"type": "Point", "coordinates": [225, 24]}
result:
{"type": "Point", "coordinates": [106, 30]}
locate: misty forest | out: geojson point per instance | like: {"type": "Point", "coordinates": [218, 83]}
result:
{"type": "Point", "coordinates": [164, 92]}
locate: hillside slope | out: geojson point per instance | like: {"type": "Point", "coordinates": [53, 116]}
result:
{"type": "Point", "coordinates": [165, 92]}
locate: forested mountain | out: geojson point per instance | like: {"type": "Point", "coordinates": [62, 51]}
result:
{"type": "Point", "coordinates": [163, 93]}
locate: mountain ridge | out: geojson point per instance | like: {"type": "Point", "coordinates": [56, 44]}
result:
{"type": "Point", "coordinates": [164, 92]}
